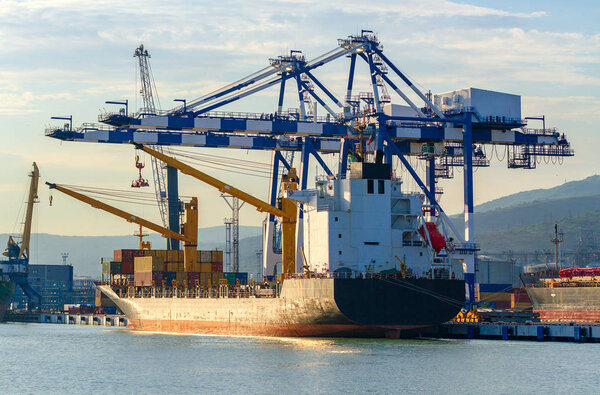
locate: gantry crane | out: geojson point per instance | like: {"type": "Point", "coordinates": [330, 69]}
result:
{"type": "Point", "coordinates": [190, 227]}
{"type": "Point", "coordinates": [165, 179]}
{"type": "Point", "coordinates": [437, 131]}
{"type": "Point", "coordinates": [287, 212]}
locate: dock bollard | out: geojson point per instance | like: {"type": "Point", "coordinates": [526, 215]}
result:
{"type": "Point", "coordinates": [504, 332]}
{"type": "Point", "coordinates": [540, 333]}
{"type": "Point", "coordinates": [577, 333]}
{"type": "Point", "coordinates": [470, 332]}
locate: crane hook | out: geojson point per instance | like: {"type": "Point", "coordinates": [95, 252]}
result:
{"type": "Point", "coordinates": [50, 200]}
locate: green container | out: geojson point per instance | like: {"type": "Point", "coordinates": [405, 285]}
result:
{"type": "Point", "coordinates": [230, 277]}
{"type": "Point", "coordinates": [115, 267]}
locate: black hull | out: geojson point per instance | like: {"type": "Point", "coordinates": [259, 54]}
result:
{"type": "Point", "coordinates": [410, 302]}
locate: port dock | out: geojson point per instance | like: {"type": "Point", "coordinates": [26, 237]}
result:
{"type": "Point", "coordinates": [539, 331]}
{"type": "Point", "coordinates": [116, 320]}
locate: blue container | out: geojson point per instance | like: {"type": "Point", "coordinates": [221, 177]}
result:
{"type": "Point", "coordinates": [110, 309]}
{"type": "Point", "coordinates": [169, 277]}
{"type": "Point", "coordinates": [495, 288]}
{"type": "Point", "coordinates": [241, 278]}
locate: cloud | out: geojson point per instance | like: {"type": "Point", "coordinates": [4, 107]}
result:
{"type": "Point", "coordinates": [429, 8]}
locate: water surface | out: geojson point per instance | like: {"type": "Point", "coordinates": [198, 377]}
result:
{"type": "Point", "coordinates": [51, 358]}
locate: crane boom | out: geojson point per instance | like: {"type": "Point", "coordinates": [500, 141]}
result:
{"type": "Point", "coordinates": [119, 213]}
{"type": "Point", "coordinates": [220, 185]}
{"type": "Point", "coordinates": [287, 213]}
{"type": "Point", "coordinates": [33, 188]}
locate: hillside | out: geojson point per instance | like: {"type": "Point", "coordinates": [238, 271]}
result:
{"type": "Point", "coordinates": [586, 187]}
{"type": "Point", "coordinates": [537, 237]}
{"type": "Point", "coordinates": [532, 213]}
{"type": "Point", "coordinates": [85, 251]}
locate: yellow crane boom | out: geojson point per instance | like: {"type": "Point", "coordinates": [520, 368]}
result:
{"type": "Point", "coordinates": [33, 189]}
{"type": "Point", "coordinates": [190, 234]}
{"type": "Point", "coordinates": [220, 185]}
{"type": "Point", "coordinates": [287, 213]}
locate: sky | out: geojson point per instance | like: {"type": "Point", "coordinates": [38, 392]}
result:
{"type": "Point", "coordinates": [67, 57]}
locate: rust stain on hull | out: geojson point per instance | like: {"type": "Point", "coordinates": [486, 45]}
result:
{"type": "Point", "coordinates": [261, 329]}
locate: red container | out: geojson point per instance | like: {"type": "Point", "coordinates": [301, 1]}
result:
{"type": "Point", "coordinates": [193, 277]}
{"type": "Point", "coordinates": [217, 267]}
{"type": "Point", "coordinates": [126, 267]}
{"type": "Point", "coordinates": [126, 255]}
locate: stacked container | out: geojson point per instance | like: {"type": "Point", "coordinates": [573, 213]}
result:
{"type": "Point", "coordinates": [165, 268]}
{"type": "Point", "coordinates": [148, 271]}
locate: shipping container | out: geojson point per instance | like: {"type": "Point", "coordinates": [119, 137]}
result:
{"type": "Point", "coordinates": [127, 267]}
{"type": "Point", "coordinates": [495, 288]}
{"type": "Point", "coordinates": [217, 256]}
{"type": "Point", "coordinates": [182, 278]}
{"type": "Point", "coordinates": [193, 279]}
{"type": "Point", "coordinates": [172, 267]}
{"type": "Point", "coordinates": [206, 256]}
{"type": "Point", "coordinates": [126, 255]}
{"type": "Point", "coordinates": [216, 278]}
{"type": "Point", "coordinates": [174, 256]}
{"type": "Point", "coordinates": [230, 277]}
{"type": "Point", "coordinates": [205, 279]}
{"type": "Point", "coordinates": [241, 278]}
{"type": "Point", "coordinates": [111, 267]}
{"type": "Point", "coordinates": [216, 267]}
{"type": "Point", "coordinates": [148, 279]}
{"type": "Point", "coordinates": [148, 264]}
{"type": "Point", "coordinates": [169, 277]}
{"type": "Point", "coordinates": [157, 253]}
{"type": "Point", "coordinates": [109, 309]}
{"type": "Point", "coordinates": [205, 267]}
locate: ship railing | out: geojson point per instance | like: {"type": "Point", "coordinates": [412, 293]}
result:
{"type": "Point", "coordinates": [342, 275]}
{"type": "Point", "coordinates": [220, 291]}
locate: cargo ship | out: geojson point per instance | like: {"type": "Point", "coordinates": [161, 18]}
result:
{"type": "Point", "coordinates": [368, 266]}
{"type": "Point", "coordinates": [572, 296]}
{"type": "Point", "coordinates": [322, 307]}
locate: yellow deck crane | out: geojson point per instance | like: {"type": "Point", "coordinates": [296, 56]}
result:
{"type": "Point", "coordinates": [287, 212]}
{"type": "Point", "coordinates": [190, 227]}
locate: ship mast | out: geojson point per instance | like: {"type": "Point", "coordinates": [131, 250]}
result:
{"type": "Point", "coordinates": [556, 240]}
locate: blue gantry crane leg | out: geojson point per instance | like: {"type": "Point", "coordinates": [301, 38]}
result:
{"type": "Point", "coordinates": [173, 206]}
{"type": "Point", "coordinates": [469, 273]}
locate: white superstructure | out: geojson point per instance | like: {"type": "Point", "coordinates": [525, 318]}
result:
{"type": "Point", "coordinates": [363, 223]}
{"type": "Point", "coordinates": [491, 106]}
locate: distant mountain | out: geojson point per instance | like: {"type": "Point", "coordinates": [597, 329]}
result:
{"type": "Point", "coordinates": [85, 251]}
{"type": "Point", "coordinates": [538, 236]}
{"type": "Point", "coordinates": [527, 214]}
{"type": "Point", "coordinates": [587, 187]}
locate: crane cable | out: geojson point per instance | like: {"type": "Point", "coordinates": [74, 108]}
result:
{"type": "Point", "coordinates": [251, 168]}
{"type": "Point", "coordinates": [118, 195]}
{"type": "Point", "coordinates": [18, 218]}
